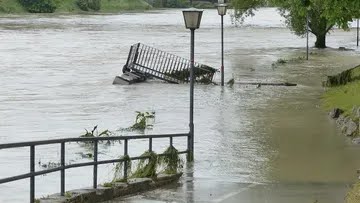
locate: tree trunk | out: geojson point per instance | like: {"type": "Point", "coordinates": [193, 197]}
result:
{"type": "Point", "coordinates": [320, 41]}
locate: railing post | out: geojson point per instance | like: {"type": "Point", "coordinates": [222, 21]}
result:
{"type": "Point", "coordinates": [32, 170]}
{"type": "Point", "coordinates": [95, 163]}
{"type": "Point", "coordinates": [62, 172]}
{"type": "Point", "coordinates": [126, 161]}
{"type": "Point", "coordinates": [150, 144]}
{"type": "Point", "coordinates": [188, 157]}
{"type": "Point", "coordinates": [171, 141]}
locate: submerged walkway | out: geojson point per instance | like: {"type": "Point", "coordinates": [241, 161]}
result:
{"type": "Point", "coordinates": [205, 190]}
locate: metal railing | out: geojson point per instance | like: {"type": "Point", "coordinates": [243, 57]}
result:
{"type": "Point", "coordinates": [153, 62]}
{"type": "Point", "coordinates": [62, 168]}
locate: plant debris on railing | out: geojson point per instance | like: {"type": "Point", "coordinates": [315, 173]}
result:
{"type": "Point", "coordinates": [201, 74]}
{"type": "Point", "coordinates": [143, 121]}
{"type": "Point", "coordinates": [169, 162]}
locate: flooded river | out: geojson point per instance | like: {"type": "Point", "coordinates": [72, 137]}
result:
{"type": "Point", "coordinates": [56, 80]}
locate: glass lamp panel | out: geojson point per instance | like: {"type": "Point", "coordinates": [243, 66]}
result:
{"type": "Point", "coordinates": [192, 18]}
{"type": "Point", "coordinates": [222, 9]}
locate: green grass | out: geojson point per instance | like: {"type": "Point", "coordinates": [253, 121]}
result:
{"type": "Point", "coordinates": [66, 6]}
{"type": "Point", "coordinates": [11, 6]}
{"type": "Point", "coordinates": [356, 73]}
{"type": "Point", "coordinates": [344, 97]}
{"type": "Point", "coordinates": [203, 5]}
{"type": "Point", "coordinates": [121, 5]}
{"type": "Point", "coordinates": [353, 196]}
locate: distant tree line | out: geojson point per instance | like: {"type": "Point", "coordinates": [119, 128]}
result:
{"type": "Point", "coordinates": [168, 3]}
{"type": "Point", "coordinates": [39, 6]}
{"type": "Point", "coordinates": [49, 6]}
{"type": "Point", "coordinates": [175, 3]}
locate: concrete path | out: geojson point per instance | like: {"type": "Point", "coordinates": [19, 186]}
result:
{"type": "Point", "coordinates": [205, 190]}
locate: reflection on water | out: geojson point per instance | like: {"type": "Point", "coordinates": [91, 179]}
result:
{"type": "Point", "coordinates": [56, 80]}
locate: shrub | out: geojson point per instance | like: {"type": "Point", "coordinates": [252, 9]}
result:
{"type": "Point", "coordinates": [87, 5]}
{"type": "Point", "coordinates": [38, 6]}
{"type": "Point", "coordinates": [94, 4]}
{"type": "Point", "coordinates": [169, 3]}
{"type": "Point", "coordinates": [82, 4]}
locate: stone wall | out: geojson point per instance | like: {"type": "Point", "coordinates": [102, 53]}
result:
{"type": "Point", "coordinates": [349, 125]}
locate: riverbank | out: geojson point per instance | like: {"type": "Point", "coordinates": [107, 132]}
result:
{"type": "Point", "coordinates": [71, 6]}
{"type": "Point", "coordinates": [105, 6]}
{"type": "Point", "coordinates": [342, 99]}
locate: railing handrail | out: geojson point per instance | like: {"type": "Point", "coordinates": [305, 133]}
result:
{"type": "Point", "coordinates": [95, 141]}
{"type": "Point", "coordinates": [77, 165]}
{"type": "Point", "coordinates": [85, 139]}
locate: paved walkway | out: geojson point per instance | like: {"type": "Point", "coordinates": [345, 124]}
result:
{"type": "Point", "coordinates": [205, 190]}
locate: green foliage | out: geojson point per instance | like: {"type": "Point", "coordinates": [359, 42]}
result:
{"type": "Point", "coordinates": [87, 5]}
{"type": "Point", "coordinates": [344, 97]}
{"type": "Point", "coordinates": [146, 168]}
{"type": "Point", "coordinates": [11, 6]}
{"type": "Point", "coordinates": [176, 4]}
{"type": "Point", "coordinates": [245, 8]}
{"type": "Point", "coordinates": [231, 82]}
{"type": "Point", "coordinates": [323, 14]}
{"type": "Point", "coordinates": [119, 169]}
{"type": "Point", "coordinates": [82, 4]}
{"type": "Point", "coordinates": [94, 133]}
{"type": "Point", "coordinates": [204, 4]}
{"type": "Point", "coordinates": [171, 160]}
{"type": "Point", "coordinates": [66, 6]}
{"type": "Point", "coordinates": [68, 194]}
{"type": "Point", "coordinates": [142, 121]}
{"type": "Point", "coordinates": [203, 74]}
{"type": "Point", "coordinates": [119, 5]}
{"type": "Point", "coordinates": [94, 5]}
{"type": "Point", "coordinates": [39, 6]}
{"type": "Point", "coordinates": [14, 6]}
{"type": "Point", "coordinates": [353, 196]}
{"type": "Point", "coordinates": [110, 184]}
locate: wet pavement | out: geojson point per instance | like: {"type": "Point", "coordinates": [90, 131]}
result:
{"type": "Point", "coordinates": [211, 190]}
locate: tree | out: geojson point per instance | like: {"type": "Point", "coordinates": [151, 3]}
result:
{"type": "Point", "coordinates": [39, 6]}
{"type": "Point", "coordinates": [323, 14]}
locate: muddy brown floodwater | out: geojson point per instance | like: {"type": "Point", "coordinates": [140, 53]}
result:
{"type": "Point", "coordinates": [276, 142]}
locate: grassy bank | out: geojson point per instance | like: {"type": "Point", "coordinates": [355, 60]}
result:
{"type": "Point", "coordinates": [346, 94]}
{"type": "Point", "coordinates": [11, 6]}
{"type": "Point", "coordinates": [353, 196]}
{"type": "Point", "coordinates": [70, 6]}
{"type": "Point", "coordinates": [119, 5]}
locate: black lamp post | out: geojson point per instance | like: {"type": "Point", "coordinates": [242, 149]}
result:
{"type": "Point", "coordinates": [306, 3]}
{"type": "Point", "coordinates": [307, 34]}
{"type": "Point", "coordinates": [192, 18]}
{"type": "Point", "coordinates": [221, 7]}
{"type": "Point", "coordinates": [357, 42]}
